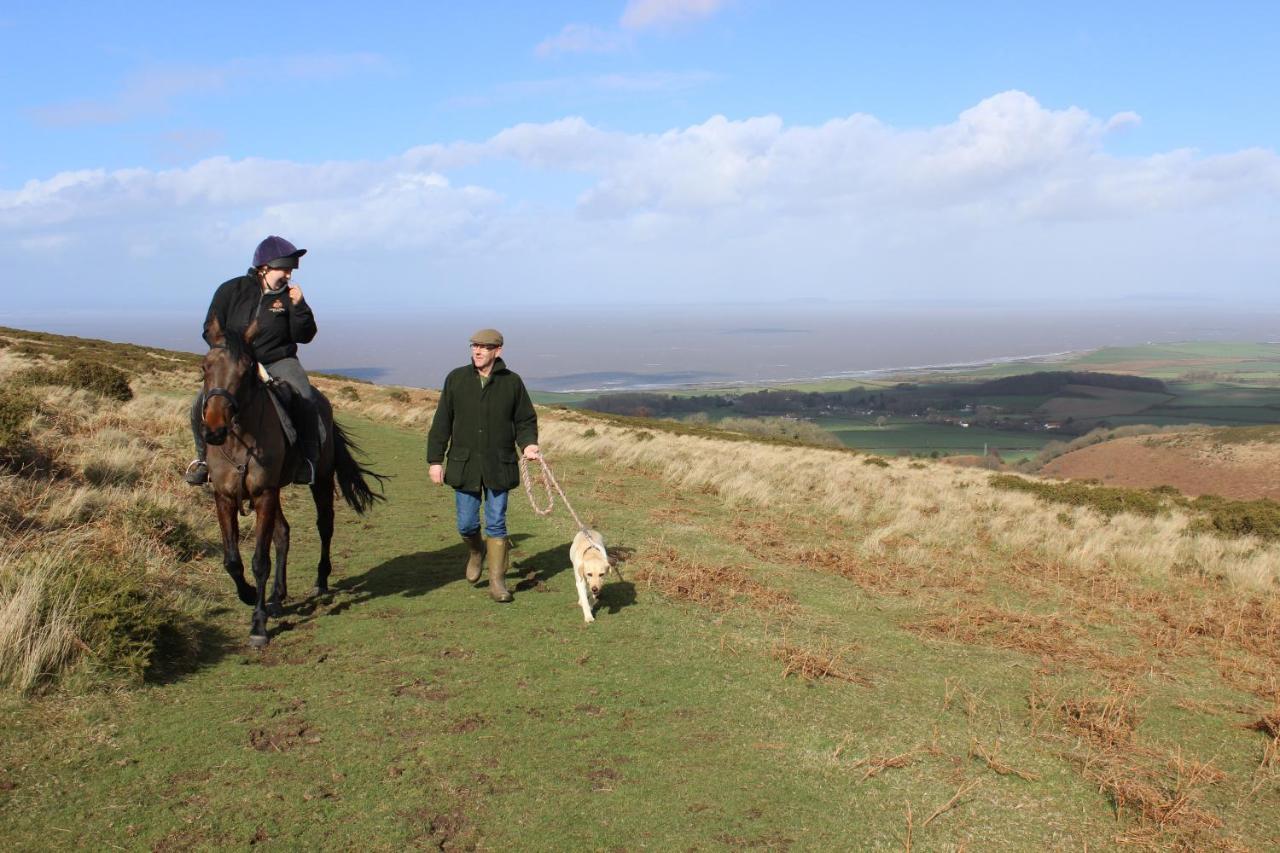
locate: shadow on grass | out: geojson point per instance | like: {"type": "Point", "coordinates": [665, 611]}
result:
{"type": "Point", "coordinates": [179, 653]}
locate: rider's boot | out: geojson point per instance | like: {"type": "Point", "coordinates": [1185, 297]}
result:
{"type": "Point", "coordinates": [197, 473]}
{"type": "Point", "coordinates": [309, 444]}
{"type": "Point", "coordinates": [475, 555]}
{"type": "Point", "coordinates": [497, 559]}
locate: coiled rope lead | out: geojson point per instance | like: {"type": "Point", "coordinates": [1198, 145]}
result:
{"type": "Point", "coordinates": [548, 480]}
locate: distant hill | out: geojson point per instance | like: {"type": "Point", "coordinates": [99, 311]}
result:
{"type": "Point", "coordinates": [1239, 463]}
{"type": "Point", "coordinates": [1057, 381]}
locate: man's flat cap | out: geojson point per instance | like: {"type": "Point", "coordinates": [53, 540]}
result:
{"type": "Point", "coordinates": [492, 337]}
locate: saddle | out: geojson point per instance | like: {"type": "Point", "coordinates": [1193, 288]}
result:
{"type": "Point", "coordinates": [289, 408]}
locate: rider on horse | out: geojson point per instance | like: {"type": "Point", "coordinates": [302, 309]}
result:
{"type": "Point", "coordinates": [267, 293]}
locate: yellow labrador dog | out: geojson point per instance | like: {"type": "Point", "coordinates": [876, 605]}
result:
{"type": "Point", "coordinates": [590, 565]}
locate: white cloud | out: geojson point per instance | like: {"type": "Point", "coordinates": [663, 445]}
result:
{"type": "Point", "coordinates": [643, 14]}
{"type": "Point", "coordinates": [1008, 192]}
{"type": "Point", "coordinates": [582, 38]}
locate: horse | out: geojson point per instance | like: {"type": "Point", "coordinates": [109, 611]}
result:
{"type": "Point", "coordinates": [250, 460]}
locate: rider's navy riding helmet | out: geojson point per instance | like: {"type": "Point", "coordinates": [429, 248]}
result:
{"type": "Point", "coordinates": [277, 253]}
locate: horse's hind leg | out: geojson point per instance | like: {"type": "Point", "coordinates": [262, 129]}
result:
{"type": "Point", "coordinates": [322, 493]}
{"type": "Point", "coordinates": [229, 524]}
{"type": "Point", "coordinates": [280, 588]}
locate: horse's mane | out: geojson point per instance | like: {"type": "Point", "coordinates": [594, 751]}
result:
{"type": "Point", "coordinates": [237, 346]}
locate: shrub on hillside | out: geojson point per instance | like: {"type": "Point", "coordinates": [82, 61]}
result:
{"type": "Point", "coordinates": [165, 525]}
{"type": "Point", "coordinates": [1259, 518]}
{"type": "Point", "coordinates": [127, 626]}
{"type": "Point", "coordinates": [348, 392]}
{"type": "Point", "coordinates": [399, 395]}
{"type": "Point", "coordinates": [1107, 500]}
{"type": "Point", "coordinates": [110, 382]}
{"type": "Point", "coordinates": [16, 409]}
{"type": "Point", "coordinates": [790, 429]}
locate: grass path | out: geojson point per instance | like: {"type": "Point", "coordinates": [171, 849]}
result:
{"type": "Point", "coordinates": [409, 711]}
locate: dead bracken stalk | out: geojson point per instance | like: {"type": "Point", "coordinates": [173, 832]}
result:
{"type": "Point", "coordinates": [877, 764]}
{"type": "Point", "coordinates": [718, 588]}
{"type": "Point", "coordinates": [992, 759]}
{"type": "Point", "coordinates": [814, 665]}
{"type": "Point", "coordinates": [950, 804]}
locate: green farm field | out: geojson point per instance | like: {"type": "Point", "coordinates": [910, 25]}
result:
{"type": "Point", "coordinates": [907, 436]}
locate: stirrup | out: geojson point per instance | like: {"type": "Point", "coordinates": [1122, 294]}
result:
{"type": "Point", "coordinates": [305, 476]}
{"type": "Point", "coordinates": [197, 473]}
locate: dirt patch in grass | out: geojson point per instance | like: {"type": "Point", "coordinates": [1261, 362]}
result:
{"type": "Point", "coordinates": [284, 735]}
{"type": "Point", "coordinates": [468, 724]}
{"type": "Point", "coordinates": [419, 689]}
{"type": "Point", "coordinates": [447, 830]}
{"type": "Point", "coordinates": [717, 588]}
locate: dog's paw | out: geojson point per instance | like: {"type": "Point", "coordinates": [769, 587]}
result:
{"type": "Point", "coordinates": [588, 617]}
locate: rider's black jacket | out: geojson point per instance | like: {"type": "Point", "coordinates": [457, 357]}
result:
{"type": "Point", "coordinates": [281, 324]}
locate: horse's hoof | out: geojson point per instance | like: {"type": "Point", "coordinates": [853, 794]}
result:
{"type": "Point", "coordinates": [274, 609]}
{"type": "Point", "coordinates": [248, 594]}
{"type": "Point", "coordinates": [258, 641]}
{"type": "Point", "coordinates": [318, 591]}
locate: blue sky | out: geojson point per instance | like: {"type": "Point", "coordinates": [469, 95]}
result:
{"type": "Point", "coordinates": [640, 151]}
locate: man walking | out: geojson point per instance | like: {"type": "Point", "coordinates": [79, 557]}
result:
{"type": "Point", "coordinates": [484, 413]}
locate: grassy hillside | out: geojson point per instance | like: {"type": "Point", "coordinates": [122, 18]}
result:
{"type": "Point", "coordinates": [806, 648]}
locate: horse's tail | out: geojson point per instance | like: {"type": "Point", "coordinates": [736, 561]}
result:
{"type": "Point", "coordinates": [351, 474]}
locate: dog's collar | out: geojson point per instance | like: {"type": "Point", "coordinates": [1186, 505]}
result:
{"type": "Point", "coordinates": [592, 543]}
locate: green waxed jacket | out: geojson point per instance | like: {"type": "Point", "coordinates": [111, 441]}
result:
{"type": "Point", "coordinates": [477, 430]}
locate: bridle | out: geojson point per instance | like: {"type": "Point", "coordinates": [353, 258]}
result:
{"type": "Point", "coordinates": [233, 431]}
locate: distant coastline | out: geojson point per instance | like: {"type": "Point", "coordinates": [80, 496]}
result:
{"type": "Point", "coordinates": [633, 381]}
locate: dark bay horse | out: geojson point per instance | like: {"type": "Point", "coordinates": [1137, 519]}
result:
{"type": "Point", "coordinates": [250, 460]}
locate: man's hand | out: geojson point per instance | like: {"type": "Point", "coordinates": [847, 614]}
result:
{"type": "Point", "coordinates": [531, 452]}
{"type": "Point", "coordinates": [295, 294]}
{"type": "Point", "coordinates": [437, 474]}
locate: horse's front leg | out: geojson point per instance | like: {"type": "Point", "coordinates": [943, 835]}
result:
{"type": "Point", "coordinates": [229, 524]}
{"type": "Point", "coordinates": [266, 507]}
{"type": "Point", "coordinates": [280, 587]}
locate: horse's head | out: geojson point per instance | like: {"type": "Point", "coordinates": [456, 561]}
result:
{"type": "Point", "coordinates": [229, 373]}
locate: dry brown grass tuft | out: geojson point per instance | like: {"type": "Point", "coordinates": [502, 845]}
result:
{"type": "Point", "coordinates": [817, 664]}
{"type": "Point", "coordinates": [717, 588]}
{"type": "Point", "coordinates": [38, 631]}
{"type": "Point", "coordinates": [1107, 721]}
{"type": "Point", "coordinates": [1049, 637]}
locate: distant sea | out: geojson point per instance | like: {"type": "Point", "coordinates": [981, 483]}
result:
{"type": "Point", "coordinates": [615, 349]}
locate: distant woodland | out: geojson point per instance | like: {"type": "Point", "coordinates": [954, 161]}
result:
{"type": "Point", "coordinates": [902, 399]}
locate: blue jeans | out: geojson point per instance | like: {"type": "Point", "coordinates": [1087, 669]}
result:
{"type": "Point", "coordinates": [495, 512]}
